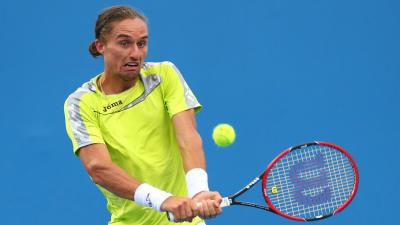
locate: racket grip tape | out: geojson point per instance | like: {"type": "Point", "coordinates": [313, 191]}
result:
{"type": "Point", "coordinates": [171, 217]}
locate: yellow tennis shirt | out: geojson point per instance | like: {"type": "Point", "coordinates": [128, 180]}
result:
{"type": "Point", "coordinates": [136, 126]}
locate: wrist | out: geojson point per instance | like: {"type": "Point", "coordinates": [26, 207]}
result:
{"type": "Point", "coordinates": [196, 181]}
{"type": "Point", "coordinates": [149, 196]}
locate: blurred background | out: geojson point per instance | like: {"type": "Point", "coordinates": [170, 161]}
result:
{"type": "Point", "coordinates": [282, 72]}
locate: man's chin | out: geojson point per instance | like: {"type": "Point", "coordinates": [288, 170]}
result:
{"type": "Point", "coordinates": [129, 76]}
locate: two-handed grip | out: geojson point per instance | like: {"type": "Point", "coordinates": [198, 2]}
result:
{"type": "Point", "coordinates": [225, 202]}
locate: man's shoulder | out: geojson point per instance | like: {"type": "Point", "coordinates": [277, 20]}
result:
{"type": "Point", "coordinates": [150, 65]}
{"type": "Point", "coordinates": [158, 68]}
{"type": "Point", "coordinates": [86, 92]}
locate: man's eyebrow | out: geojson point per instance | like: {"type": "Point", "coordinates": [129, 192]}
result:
{"type": "Point", "coordinates": [127, 36]}
{"type": "Point", "coordinates": [123, 36]}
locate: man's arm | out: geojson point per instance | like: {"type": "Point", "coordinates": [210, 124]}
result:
{"type": "Point", "coordinates": [189, 140]}
{"type": "Point", "coordinates": [191, 147]}
{"type": "Point", "coordinates": [105, 173]}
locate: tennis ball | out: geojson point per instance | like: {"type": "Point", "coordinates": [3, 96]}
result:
{"type": "Point", "coordinates": [223, 135]}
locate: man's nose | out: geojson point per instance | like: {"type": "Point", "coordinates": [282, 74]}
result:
{"type": "Point", "coordinates": [135, 51]}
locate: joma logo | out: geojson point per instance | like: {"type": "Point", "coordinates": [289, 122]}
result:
{"type": "Point", "coordinates": [110, 106]}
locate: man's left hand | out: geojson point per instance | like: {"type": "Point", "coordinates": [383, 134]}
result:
{"type": "Point", "coordinates": [208, 204]}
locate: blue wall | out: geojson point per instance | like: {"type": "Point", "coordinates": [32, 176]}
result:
{"type": "Point", "coordinates": [282, 72]}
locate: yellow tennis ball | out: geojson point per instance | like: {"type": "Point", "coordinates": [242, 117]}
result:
{"type": "Point", "coordinates": [223, 135]}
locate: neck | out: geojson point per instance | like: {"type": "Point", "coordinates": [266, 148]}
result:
{"type": "Point", "coordinates": [110, 84]}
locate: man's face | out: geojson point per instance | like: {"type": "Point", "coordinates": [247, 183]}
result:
{"type": "Point", "coordinates": [125, 48]}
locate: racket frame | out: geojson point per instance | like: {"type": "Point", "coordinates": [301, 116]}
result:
{"type": "Point", "coordinates": [231, 200]}
{"type": "Point", "coordinates": [272, 208]}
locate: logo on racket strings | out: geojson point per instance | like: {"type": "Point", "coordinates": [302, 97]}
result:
{"type": "Point", "coordinates": [310, 181]}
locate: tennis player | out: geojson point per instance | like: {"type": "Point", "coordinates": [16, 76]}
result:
{"type": "Point", "coordinates": [133, 127]}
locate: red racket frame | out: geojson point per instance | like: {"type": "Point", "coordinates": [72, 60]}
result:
{"type": "Point", "coordinates": [273, 162]}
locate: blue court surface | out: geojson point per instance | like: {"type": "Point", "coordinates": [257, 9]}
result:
{"type": "Point", "coordinates": [282, 72]}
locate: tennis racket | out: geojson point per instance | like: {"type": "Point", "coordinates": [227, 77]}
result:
{"type": "Point", "coordinates": [307, 182]}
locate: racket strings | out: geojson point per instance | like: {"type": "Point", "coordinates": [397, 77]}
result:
{"type": "Point", "coordinates": [310, 182]}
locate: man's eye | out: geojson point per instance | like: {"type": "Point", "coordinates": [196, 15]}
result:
{"type": "Point", "coordinates": [124, 43]}
{"type": "Point", "coordinates": [142, 44]}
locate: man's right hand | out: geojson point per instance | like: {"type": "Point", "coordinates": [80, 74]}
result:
{"type": "Point", "coordinates": [183, 209]}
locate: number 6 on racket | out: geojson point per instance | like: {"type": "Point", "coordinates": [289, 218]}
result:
{"type": "Point", "coordinates": [307, 182]}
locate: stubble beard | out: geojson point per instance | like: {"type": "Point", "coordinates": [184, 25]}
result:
{"type": "Point", "coordinates": [129, 77]}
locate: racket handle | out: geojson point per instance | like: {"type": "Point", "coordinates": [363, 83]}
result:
{"type": "Point", "coordinates": [171, 217]}
{"type": "Point", "coordinates": [225, 202]}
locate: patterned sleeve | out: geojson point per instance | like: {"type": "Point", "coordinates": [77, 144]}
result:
{"type": "Point", "coordinates": [81, 123]}
{"type": "Point", "coordinates": [178, 96]}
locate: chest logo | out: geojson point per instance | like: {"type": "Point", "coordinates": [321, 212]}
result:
{"type": "Point", "coordinates": [112, 105]}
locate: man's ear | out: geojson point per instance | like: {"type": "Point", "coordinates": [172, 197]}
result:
{"type": "Point", "coordinates": [99, 46]}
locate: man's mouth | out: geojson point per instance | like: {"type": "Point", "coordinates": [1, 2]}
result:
{"type": "Point", "coordinates": [131, 65]}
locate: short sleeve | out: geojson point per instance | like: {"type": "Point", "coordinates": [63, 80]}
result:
{"type": "Point", "coordinates": [81, 123]}
{"type": "Point", "coordinates": [178, 96]}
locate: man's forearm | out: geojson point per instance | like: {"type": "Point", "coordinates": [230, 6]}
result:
{"type": "Point", "coordinates": [114, 179]}
{"type": "Point", "coordinates": [110, 176]}
{"type": "Point", "coordinates": [192, 153]}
